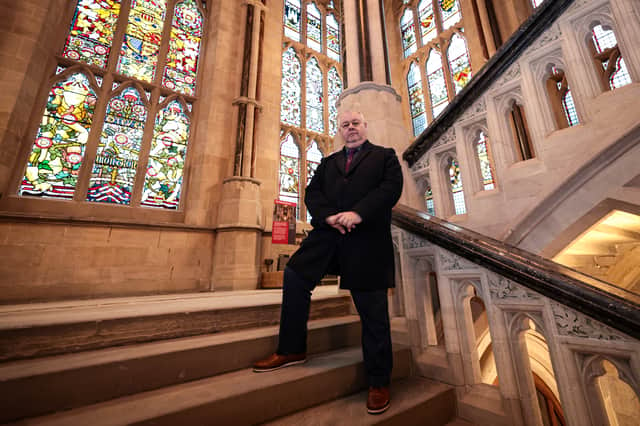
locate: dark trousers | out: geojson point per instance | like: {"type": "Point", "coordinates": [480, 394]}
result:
{"type": "Point", "coordinates": [372, 307]}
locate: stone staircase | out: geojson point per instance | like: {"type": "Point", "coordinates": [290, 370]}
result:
{"type": "Point", "coordinates": [144, 361]}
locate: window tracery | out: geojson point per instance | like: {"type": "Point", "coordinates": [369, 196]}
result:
{"type": "Point", "coordinates": [611, 68]}
{"type": "Point", "coordinates": [145, 75]}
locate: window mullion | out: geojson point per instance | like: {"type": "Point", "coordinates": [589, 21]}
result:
{"type": "Point", "coordinates": [145, 147]}
{"type": "Point", "coordinates": [118, 36]}
{"type": "Point", "coordinates": [164, 44]}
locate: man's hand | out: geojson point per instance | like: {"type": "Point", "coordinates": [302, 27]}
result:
{"type": "Point", "coordinates": [333, 221]}
{"type": "Point", "coordinates": [348, 220]}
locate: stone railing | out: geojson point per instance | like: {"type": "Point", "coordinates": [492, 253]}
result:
{"type": "Point", "coordinates": [483, 316]}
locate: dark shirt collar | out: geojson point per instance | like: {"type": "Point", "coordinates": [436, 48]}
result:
{"type": "Point", "coordinates": [355, 150]}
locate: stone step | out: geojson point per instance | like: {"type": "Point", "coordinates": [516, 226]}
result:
{"type": "Point", "coordinates": [413, 401]}
{"type": "Point", "coordinates": [44, 385]}
{"type": "Point", "coordinates": [42, 329]}
{"type": "Point", "coordinates": [239, 398]}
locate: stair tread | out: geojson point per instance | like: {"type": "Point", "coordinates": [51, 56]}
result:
{"type": "Point", "coordinates": [73, 311]}
{"type": "Point", "coordinates": [351, 410]}
{"type": "Point", "coordinates": [55, 363]}
{"type": "Point", "coordinates": [171, 399]}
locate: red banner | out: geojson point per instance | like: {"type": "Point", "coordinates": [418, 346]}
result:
{"type": "Point", "coordinates": [284, 223]}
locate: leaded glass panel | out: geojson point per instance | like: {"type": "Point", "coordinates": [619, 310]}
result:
{"type": "Point", "coordinates": [333, 38]}
{"type": "Point", "coordinates": [315, 97]}
{"type": "Point", "coordinates": [459, 62]}
{"type": "Point", "coordinates": [314, 27]}
{"type": "Point", "coordinates": [314, 156]}
{"type": "Point", "coordinates": [428, 200]}
{"type": "Point", "coordinates": [455, 179]}
{"type": "Point", "coordinates": [427, 21]}
{"type": "Point", "coordinates": [116, 160]}
{"type": "Point", "coordinates": [569, 108]}
{"type": "Point", "coordinates": [57, 154]}
{"type": "Point", "coordinates": [184, 48]}
{"type": "Point", "coordinates": [335, 89]}
{"type": "Point", "coordinates": [165, 169]}
{"type": "Point", "coordinates": [91, 32]}
{"type": "Point", "coordinates": [485, 163]}
{"type": "Point", "coordinates": [416, 99]}
{"type": "Point", "coordinates": [450, 13]}
{"type": "Point", "coordinates": [289, 170]}
{"type": "Point", "coordinates": [408, 32]}
{"type": "Point", "coordinates": [291, 97]}
{"type": "Point", "coordinates": [437, 84]}
{"type": "Point", "coordinates": [604, 40]}
{"type": "Point", "coordinates": [141, 45]}
{"type": "Point", "coordinates": [292, 21]}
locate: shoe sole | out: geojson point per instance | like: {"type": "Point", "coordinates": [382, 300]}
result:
{"type": "Point", "coordinates": [288, 364]}
{"type": "Point", "coordinates": [379, 410]}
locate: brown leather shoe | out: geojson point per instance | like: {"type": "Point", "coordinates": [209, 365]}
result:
{"type": "Point", "coordinates": [276, 361]}
{"type": "Point", "coordinates": [378, 401]}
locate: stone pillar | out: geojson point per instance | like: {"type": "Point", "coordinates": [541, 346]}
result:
{"type": "Point", "coordinates": [368, 86]}
{"type": "Point", "coordinates": [236, 264]}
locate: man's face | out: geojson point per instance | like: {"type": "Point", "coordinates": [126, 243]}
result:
{"type": "Point", "coordinates": [353, 129]}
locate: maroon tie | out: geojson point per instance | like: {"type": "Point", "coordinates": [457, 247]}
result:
{"type": "Point", "coordinates": [350, 153]}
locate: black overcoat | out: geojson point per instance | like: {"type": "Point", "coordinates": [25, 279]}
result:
{"type": "Point", "coordinates": [364, 257]}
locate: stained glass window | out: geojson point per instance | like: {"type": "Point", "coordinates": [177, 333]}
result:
{"type": "Point", "coordinates": [608, 53]}
{"type": "Point", "coordinates": [315, 97]}
{"type": "Point", "coordinates": [427, 21]}
{"type": "Point", "coordinates": [116, 161]}
{"type": "Point", "coordinates": [485, 163]}
{"type": "Point", "coordinates": [291, 90]}
{"type": "Point", "coordinates": [163, 179]}
{"type": "Point", "coordinates": [455, 179]}
{"type": "Point", "coordinates": [289, 170]}
{"type": "Point", "coordinates": [184, 48]}
{"type": "Point", "coordinates": [314, 156]}
{"type": "Point", "coordinates": [335, 89]}
{"type": "Point", "coordinates": [450, 13]}
{"type": "Point", "coordinates": [292, 21]}
{"type": "Point", "coordinates": [416, 99]}
{"type": "Point", "coordinates": [141, 45]}
{"type": "Point", "coordinates": [437, 85]}
{"type": "Point", "coordinates": [408, 32]}
{"type": "Point", "coordinates": [314, 27]}
{"type": "Point", "coordinates": [57, 154]}
{"type": "Point", "coordinates": [91, 32]}
{"type": "Point", "coordinates": [568, 106]}
{"type": "Point", "coordinates": [333, 38]}
{"type": "Point", "coordinates": [428, 200]}
{"type": "Point", "coordinates": [459, 62]}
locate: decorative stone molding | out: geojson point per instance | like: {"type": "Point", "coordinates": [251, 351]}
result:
{"type": "Point", "coordinates": [421, 164]}
{"type": "Point", "coordinates": [411, 241]}
{"type": "Point", "coordinates": [511, 74]}
{"type": "Point", "coordinates": [551, 35]}
{"type": "Point", "coordinates": [502, 288]}
{"type": "Point", "coordinates": [572, 323]}
{"type": "Point", "coordinates": [452, 262]}
{"type": "Point", "coordinates": [478, 107]}
{"type": "Point", "coordinates": [368, 85]}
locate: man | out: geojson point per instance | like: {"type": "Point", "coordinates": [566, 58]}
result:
{"type": "Point", "coordinates": [350, 199]}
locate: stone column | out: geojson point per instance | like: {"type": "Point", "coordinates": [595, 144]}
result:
{"type": "Point", "coordinates": [369, 90]}
{"type": "Point", "coordinates": [236, 264]}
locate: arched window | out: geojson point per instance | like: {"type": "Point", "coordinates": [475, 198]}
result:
{"type": "Point", "coordinates": [520, 131]}
{"type": "Point", "coordinates": [484, 159]}
{"type": "Point", "coordinates": [450, 13]}
{"type": "Point", "coordinates": [335, 88]}
{"type": "Point", "coordinates": [408, 33]}
{"type": "Point", "coordinates": [560, 92]}
{"type": "Point", "coordinates": [291, 98]}
{"type": "Point", "coordinates": [333, 38]}
{"type": "Point", "coordinates": [459, 62]}
{"type": "Point", "coordinates": [457, 192]}
{"type": "Point", "coordinates": [56, 167]}
{"type": "Point", "coordinates": [416, 99]}
{"type": "Point", "coordinates": [292, 19]}
{"type": "Point", "coordinates": [314, 27]}
{"type": "Point", "coordinates": [315, 97]}
{"type": "Point", "coordinates": [428, 29]}
{"type": "Point", "coordinates": [428, 199]}
{"type": "Point", "coordinates": [607, 55]}
{"type": "Point", "coordinates": [437, 84]}
{"type": "Point", "coordinates": [314, 156]}
{"type": "Point", "coordinates": [311, 88]}
{"type": "Point", "coordinates": [289, 170]}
